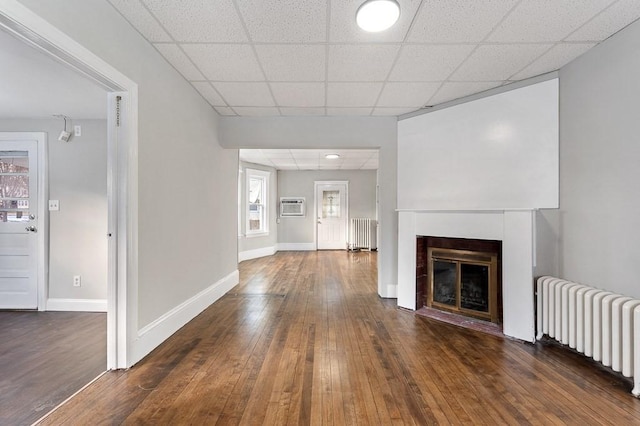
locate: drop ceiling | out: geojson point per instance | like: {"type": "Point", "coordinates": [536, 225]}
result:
{"type": "Point", "coordinates": [312, 159]}
{"type": "Point", "coordinates": [307, 57]}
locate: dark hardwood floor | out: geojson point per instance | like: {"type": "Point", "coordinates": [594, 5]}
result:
{"type": "Point", "coordinates": [45, 357]}
{"type": "Point", "coordinates": [304, 339]}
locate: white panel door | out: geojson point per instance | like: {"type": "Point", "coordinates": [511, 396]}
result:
{"type": "Point", "coordinates": [332, 215]}
{"type": "Point", "coordinates": [18, 239]}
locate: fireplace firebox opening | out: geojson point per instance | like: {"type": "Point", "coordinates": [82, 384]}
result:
{"type": "Point", "coordinates": [460, 276]}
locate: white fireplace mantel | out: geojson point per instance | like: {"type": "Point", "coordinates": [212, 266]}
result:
{"type": "Point", "coordinates": [516, 230]}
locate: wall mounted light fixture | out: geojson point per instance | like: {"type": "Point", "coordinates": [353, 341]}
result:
{"type": "Point", "coordinates": [64, 135]}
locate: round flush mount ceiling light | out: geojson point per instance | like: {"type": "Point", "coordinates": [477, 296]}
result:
{"type": "Point", "coordinates": [377, 15]}
{"type": "Point", "coordinates": [331, 156]}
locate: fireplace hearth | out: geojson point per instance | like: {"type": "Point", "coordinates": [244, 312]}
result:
{"type": "Point", "coordinates": [460, 276]}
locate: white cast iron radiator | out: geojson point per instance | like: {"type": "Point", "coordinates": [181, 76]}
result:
{"type": "Point", "coordinates": [600, 324]}
{"type": "Point", "coordinates": [362, 234]}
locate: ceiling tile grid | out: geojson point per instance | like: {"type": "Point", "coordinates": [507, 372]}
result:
{"type": "Point", "coordinates": [307, 57]}
{"type": "Point", "coordinates": [312, 159]}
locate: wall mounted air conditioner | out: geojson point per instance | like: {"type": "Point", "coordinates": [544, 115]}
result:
{"type": "Point", "coordinates": [291, 206]}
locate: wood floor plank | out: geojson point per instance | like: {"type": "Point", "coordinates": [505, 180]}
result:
{"type": "Point", "coordinates": [305, 340]}
{"type": "Point", "coordinates": [45, 357]}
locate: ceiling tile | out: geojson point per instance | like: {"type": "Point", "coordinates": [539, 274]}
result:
{"type": "Point", "coordinates": [252, 154]}
{"type": "Point", "coordinates": [281, 164]}
{"type": "Point", "coordinates": [208, 92]}
{"type": "Point", "coordinates": [546, 20]}
{"type": "Point", "coordinates": [276, 152]}
{"type": "Point", "coordinates": [225, 62]}
{"type": "Point", "coordinates": [349, 111]}
{"type": "Point", "coordinates": [498, 62]}
{"type": "Point", "coordinates": [257, 111]}
{"type": "Point", "coordinates": [141, 20]}
{"type": "Point", "coordinates": [428, 63]}
{"type": "Point", "coordinates": [361, 62]}
{"type": "Point", "coordinates": [457, 21]}
{"type": "Point", "coordinates": [305, 153]}
{"type": "Point", "coordinates": [292, 62]}
{"type": "Point", "coordinates": [344, 28]}
{"type": "Point", "coordinates": [294, 21]}
{"type": "Point", "coordinates": [356, 154]}
{"type": "Point", "coordinates": [456, 90]}
{"type": "Point", "coordinates": [352, 94]}
{"type": "Point", "coordinates": [611, 20]}
{"type": "Point", "coordinates": [245, 94]}
{"type": "Point", "coordinates": [392, 111]}
{"type": "Point", "coordinates": [298, 94]}
{"type": "Point", "coordinates": [199, 20]}
{"type": "Point", "coordinates": [227, 111]}
{"type": "Point", "coordinates": [556, 58]}
{"type": "Point", "coordinates": [179, 60]}
{"type": "Point", "coordinates": [406, 94]}
{"type": "Point", "coordinates": [292, 112]}
{"type": "Point", "coordinates": [307, 162]}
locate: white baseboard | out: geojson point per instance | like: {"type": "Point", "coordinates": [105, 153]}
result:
{"type": "Point", "coordinates": [256, 253]}
{"type": "Point", "coordinates": [392, 292]}
{"type": "Point", "coordinates": [296, 246]}
{"type": "Point", "coordinates": [152, 335]}
{"type": "Point", "coordinates": [77, 305]}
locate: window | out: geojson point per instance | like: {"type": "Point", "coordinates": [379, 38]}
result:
{"type": "Point", "coordinates": [257, 202]}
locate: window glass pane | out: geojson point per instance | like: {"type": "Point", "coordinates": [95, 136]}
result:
{"type": "Point", "coordinates": [444, 282]}
{"type": "Point", "coordinates": [14, 204]}
{"type": "Point", "coordinates": [14, 216]}
{"type": "Point", "coordinates": [255, 217]}
{"type": "Point", "coordinates": [474, 287]}
{"type": "Point", "coordinates": [14, 186]}
{"type": "Point", "coordinates": [255, 190]}
{"type": "Point", "coordinates": [330, 204]}
{"type": "Point", "coordinates": [14, 162]}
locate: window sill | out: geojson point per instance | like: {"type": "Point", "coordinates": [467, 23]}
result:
{"type": "Point", "coordinates": [256, 234]}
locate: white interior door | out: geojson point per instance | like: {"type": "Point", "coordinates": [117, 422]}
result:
{"type": "Point", "coordinates": [18, 210]}
{"type": "Point", "coordinates": [332, 215]}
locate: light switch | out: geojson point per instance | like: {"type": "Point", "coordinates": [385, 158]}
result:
{"type": "Point", "coordinates": [54, 205]}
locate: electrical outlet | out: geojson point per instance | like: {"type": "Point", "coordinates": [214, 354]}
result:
{"type": "Point", "coordinates": [77, 130]}
{"type": "Point", "coordinates": [54, 205]}
{"type": "Point", "coordinates": [77, 280]}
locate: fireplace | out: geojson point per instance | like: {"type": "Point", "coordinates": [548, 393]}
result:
{"type": "Point", "coordinates": [460, 276]}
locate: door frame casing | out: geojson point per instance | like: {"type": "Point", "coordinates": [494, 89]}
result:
{"type": "Point", "coordinates": [318, 183]}
{"type": "Point", "coordinates": [122, 283]}
{"type": "Point", "coordinates": [42, 217]}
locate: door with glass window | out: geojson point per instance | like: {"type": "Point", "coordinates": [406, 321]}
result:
{"type": "Point", "coordinates": [18, 209]}
{"type": "Point", "coordinates": [332, 215]}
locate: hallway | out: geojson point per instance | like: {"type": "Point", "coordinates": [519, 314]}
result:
{"type": "Point", "coordinates": [304, 339]}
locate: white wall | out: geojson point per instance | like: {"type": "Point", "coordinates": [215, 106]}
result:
{"type": "Point", "coordinates": [597, 226]}
{"type": "Point", "coordinates": [335, 132]}
{"type": "Point", "coordinates": [497, 152]}
{"type": "Point", "coordinates": [257, 246]}
{"type": "Point", "coordinates": [186, 242]}
{"type": "Point", "coordinates": [77, 232]}
{"type": "Point", "coordinates": [292, 183]}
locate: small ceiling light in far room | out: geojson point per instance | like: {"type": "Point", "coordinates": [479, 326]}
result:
{"type": "Point", "coordinates": [377, 15]}
{"type": "Point", "coordinates": [331, 156]}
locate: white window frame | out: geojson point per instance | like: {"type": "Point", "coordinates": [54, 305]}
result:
{"type": "Point", "coordinates": [265, 177]}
